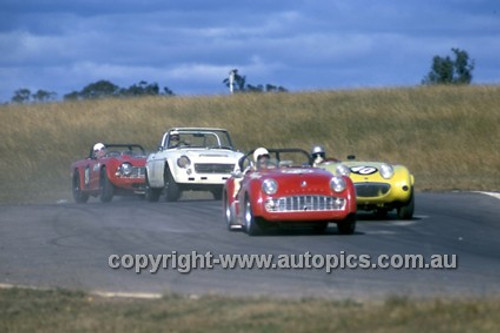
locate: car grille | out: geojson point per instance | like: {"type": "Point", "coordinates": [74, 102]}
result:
{"type": "Point", "coordinates": [213, 168]}
{"type": "Point", "coordinates": [138, 172]}
{"type": "Point", "coordinates": [371, 189]}
{"type": "Point", "coordinates": [302, 203]}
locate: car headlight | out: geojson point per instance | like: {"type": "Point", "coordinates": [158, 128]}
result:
{"type": "Point", "coordinates": [126, 169]}
{"type": "Point", "coordinates": [183, 162]}
{"type": "Point", "coordinates": [269, 186]}
{"type": "Point", "coordinates": [337, 184]}
{"type": "Point", "coordinates": [386, 171]}
{"type": "Point", "coordinates": [343, 170]}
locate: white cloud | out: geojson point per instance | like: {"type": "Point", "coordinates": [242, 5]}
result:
{"type": "Point", "coordinates": [64, 45]}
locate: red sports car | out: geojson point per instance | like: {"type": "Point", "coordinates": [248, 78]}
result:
{"type": "Point", "coordinates": [110, 169]}
{"type": "Point", "coordinates": [287, 190]}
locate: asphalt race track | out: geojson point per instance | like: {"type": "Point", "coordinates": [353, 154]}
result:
{"type": "Point", "coordinates": [68, 245]}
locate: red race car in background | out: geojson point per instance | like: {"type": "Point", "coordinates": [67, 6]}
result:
{"type": "Point", "coordinates": [109, 170]}
{"type": "Point", "coordinates": [284, 190]}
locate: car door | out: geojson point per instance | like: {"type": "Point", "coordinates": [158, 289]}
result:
{"type": "Point", "coordinates": [92, 173]}
{"type": "Point", "coordinates": [155, 169]}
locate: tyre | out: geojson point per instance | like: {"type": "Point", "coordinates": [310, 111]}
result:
{"type": "Point", "coordinates": [152, 194]}
{"type": "Point", "coordinates": [78, 194]}
{"type": "Point", "coordinates": [347, 226]}
{"type": "Point", "coordinates": [107, 188]}
{"type": "Point", "coordinates": [172, 192]}
{"type": "Point", "coordinates": [217, 193]}
{"type": "Point", "coordinates": [405, 212]}
{"type": "Point", "coordinates": [251, 224]}
{"type": "Point", "coordinates": [228, 214]}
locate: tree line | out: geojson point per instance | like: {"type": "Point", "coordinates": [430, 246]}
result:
{"type": "Point", "coordinates": [444, 70]}
{"type": "Point", "coordinates": [99, 89]}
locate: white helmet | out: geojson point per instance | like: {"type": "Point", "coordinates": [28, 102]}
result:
{"type": "Point", "coordinates": [259, 152]}
{"type": "Point", "coordinates": [99, 146]}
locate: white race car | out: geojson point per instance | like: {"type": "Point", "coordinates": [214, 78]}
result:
{"type": "Point", "coordinates": [190, 159]}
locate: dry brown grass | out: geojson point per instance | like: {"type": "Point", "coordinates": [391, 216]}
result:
{"type": "Point", "coordinates": [23, 310]}
{"type": "Point", "coordinates": [447, 136]}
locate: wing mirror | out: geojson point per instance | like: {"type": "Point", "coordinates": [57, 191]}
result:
{"type": "Point", "coordinates": [241, 162]}
{"type": "Point", "coordinates": [237, 174]}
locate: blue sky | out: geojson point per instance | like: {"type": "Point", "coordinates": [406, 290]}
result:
{"type": "Point", "coordinates": [189, 46]}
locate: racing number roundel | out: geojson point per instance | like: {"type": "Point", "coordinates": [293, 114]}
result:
{"type": "Point", "coordinates": [363, 170]}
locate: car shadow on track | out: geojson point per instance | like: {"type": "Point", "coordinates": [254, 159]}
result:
{"type": "Point", "coordinates": [391, 217]}
{"type": "Point", "coordinates": [293, 231]}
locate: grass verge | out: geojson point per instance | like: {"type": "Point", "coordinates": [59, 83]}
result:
{"type": "Point", "coordinates": [25, 310]}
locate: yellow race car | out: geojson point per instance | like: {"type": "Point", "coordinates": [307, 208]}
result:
{"type": "Point", "coordinates": [380, 187]}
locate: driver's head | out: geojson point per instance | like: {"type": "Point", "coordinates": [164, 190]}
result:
{"type": "Point", "coordinates": [318, 153]}
{"type": "Point", "coordinates": [261, 156]}
{"type": "Point", "coordinates": [173, 140]}
{"type": "Point", "coordinates": [99, 149]}
{"type": "Point", "coordinates": [260, 153]}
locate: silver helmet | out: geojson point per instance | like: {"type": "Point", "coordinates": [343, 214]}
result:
{"type": "Point", "coordinates": [318, 151]}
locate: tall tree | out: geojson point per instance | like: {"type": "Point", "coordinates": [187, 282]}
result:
{"type": "Point", "coordinates": [21, 95]}
{"type": "Point", "coordinates": [241, 86]}
{"type": "Point", "coordinates": [43, 95]}
{"type": "Point", "coordinates": [72, 96]}
{"type": "Point", "coordinates": [99, 89]}
{"type": "Point", "coordinates": [239, 81]}
{"type": "Point", "coordinates": [451, 71]}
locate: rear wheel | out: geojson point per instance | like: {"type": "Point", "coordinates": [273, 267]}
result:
{"type": "Point", "coordinates": [172, 192]}
{"type": "Point", "coordinates": [405, 212]}
{"type": "Point", "coordinates": [78, 194]}
{"type": "Point", "coordinates": [347, 226]}
{"type": "Point", "coordinates": [107, 188]}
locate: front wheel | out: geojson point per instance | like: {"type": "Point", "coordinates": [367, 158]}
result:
{"type": "Point", "coordinates": [107, 188]}
{"type": "Point", "coordinates": [405, 212]}
{"type": "Point", "coordinates": [347, 226]}
{"type": "Point", "coordinates": [228, 213]}
{"type": "Point", "coordinates": [251, 226]}
{"type": "Point", "coordinates": [152, 194]}
{"type": "Point", "coordinates": [78, 194]}
{"type": "Point", "coordinates": [172, 191]}
{"type": "Point", "coordinates": [217, 193]}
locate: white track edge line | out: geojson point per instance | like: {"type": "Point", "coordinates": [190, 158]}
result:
{"type": "Point", "coordinates": [106, 294]}
{"type": "Point", "coordinates": [491, 194]}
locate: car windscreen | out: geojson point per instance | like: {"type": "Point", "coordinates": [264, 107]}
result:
{"type": "Point", "coordinates": [123, 150]}
{"type": "Point", "coordinates": [200, 139]}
